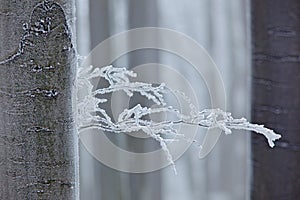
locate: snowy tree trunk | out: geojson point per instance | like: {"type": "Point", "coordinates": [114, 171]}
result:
{"type": "Point", "coordinates": [276, 97]}
{"type": "Point", "coordinates": [38, 146]}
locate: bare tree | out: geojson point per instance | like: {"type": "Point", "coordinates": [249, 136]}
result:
{"type": "Point", "coordinates": [276, 97]}
{"type": "Point", "coordinates": [38, 146]}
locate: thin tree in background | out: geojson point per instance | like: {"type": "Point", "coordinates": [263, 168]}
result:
{"type": "Point", "coordinates": [276, 97]}
{"type": "Point", "coordinates": [38, 149]}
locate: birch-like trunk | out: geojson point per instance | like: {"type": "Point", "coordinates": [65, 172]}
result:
{"type": "Point", "coordinates": [276, 98]}
{"type": "Point", "coordinates": [38, 147]}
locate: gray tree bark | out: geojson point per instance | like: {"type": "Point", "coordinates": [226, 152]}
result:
{"type": "Point", "coordinates": [38, 146]}
{"type": "Point", "coordinates": [276, 98]}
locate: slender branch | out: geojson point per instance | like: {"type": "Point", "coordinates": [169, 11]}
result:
{"type": "Point", "coordinates": [134, 119]}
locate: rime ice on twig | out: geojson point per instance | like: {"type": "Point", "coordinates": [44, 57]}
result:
{"type": "Point", "coordinates": [133, 119]}
{"type": "Point", "coordinates": [223, 120]}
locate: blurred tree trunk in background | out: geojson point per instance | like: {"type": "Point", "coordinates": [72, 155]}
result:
{"type": "Point", "coordinates": [38, 146]}
{"type": "Point", "coordinates": [276, 97]}
{"type": "Point", "coordinates": [108, 17]}
{"type": "Point", "coordinates": [222, 28]}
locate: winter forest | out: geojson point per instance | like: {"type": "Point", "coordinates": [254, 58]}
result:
{"type": "Point", "coordinates": [143, 100]}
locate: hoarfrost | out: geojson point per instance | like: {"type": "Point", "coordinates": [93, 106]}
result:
{"type": "Point", "coordinates": [92, 116]}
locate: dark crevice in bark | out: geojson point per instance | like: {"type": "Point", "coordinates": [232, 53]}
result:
{"type": "Point", "coordinates": [261, 57]}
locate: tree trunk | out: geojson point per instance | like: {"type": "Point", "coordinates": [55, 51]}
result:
{"type": "Point", "coordinates": [276, 97]}
{"type": "Point", "coordinates": [38, 146]}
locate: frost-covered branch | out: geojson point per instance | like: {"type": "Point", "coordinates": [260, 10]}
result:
{"type": "Point", "coordinates": [92, 116]}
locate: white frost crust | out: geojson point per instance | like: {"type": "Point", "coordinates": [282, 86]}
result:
{"type": "Point", "coordinates": [133, 119]}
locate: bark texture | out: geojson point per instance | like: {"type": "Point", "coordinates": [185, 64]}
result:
{"type": "Point", "coordinates": [276, 98]}
{"type": "Point", "coordinates": [37, 68]}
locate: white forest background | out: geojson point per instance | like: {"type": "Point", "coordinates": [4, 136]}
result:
{"type": "Point", "coordinates": [222, 28]}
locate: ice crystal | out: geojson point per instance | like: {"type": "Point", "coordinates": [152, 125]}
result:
{"type": "Point", "coordinates": [91, 115]}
